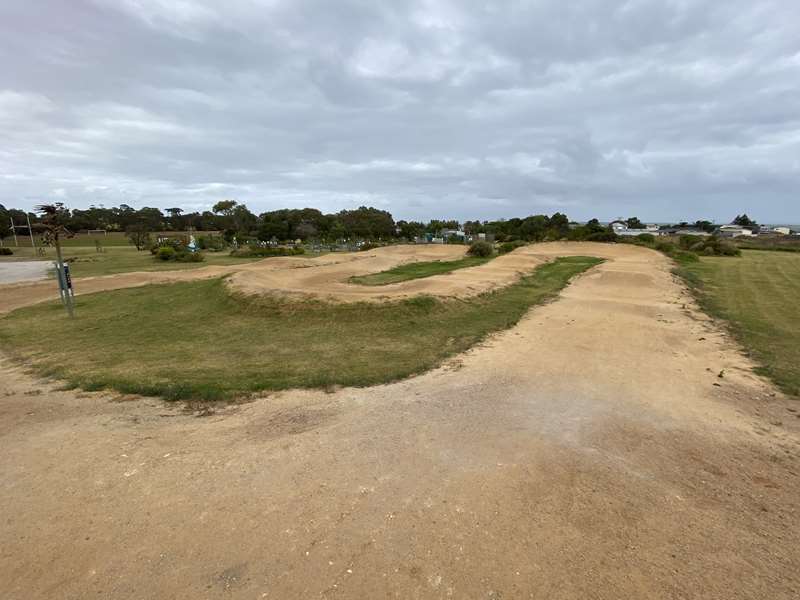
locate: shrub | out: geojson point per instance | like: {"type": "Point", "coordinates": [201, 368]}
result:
{"type": "Point", "coordinates": [698, 247]}
{"type": "Point", "coordinates": [189, 257]}
{"type": "Point", "coordinates": [6, 251]}
{"type": "Point", "coordinates": [601, 236]}
{"type": "Point", "coordinates": [728, 249]}
{"type": "Point", "coordinates": [481, 249]}
{"type": "Point", "coordinates": [665, 246]}
{"type": "Point", "coordinates": [260, 251]}
{"type": "Point", "coordinates": [682, 256]}
{"type": "Point", "coordinates": [211, 243]}
{"type": "Point", "coordinates": [165, 253]}
{"type": "Point", "coordinates": [708, 250]}
{"type": "Point", "coordinates": [507, 247]}
{"type": "Point", "coordinates": [648, 238]}
{"type": "Point", "coordinates": [368, 246]}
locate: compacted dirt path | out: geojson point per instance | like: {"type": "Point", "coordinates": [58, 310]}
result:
{"type": "Point", "coordinates": [592, 451]}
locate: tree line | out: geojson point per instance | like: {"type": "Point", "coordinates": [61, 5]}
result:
{"type": "Point", "coordinates": [365, 223]}
{"type": "Point", "coordinates": [236, 220]}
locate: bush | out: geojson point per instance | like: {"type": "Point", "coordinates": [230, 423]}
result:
{"type": "Point", "coordinates": [708, 250]}
{"type": "Point", "coordinates": [507, 247]}
{"type": "Point", "coordinates": [165, 253]}
{"type": "Point", "coordinates": [698, 247]}
{"type": "Point", "coordinates": [6, 251]}
{"type": "Point", "coordinates": [665, 246]}
{"type": "Point", "coordinates": [181, 254]}
{"type": "Point", "coordinates": [728, 249]}
{"type": "Point", "coordinates": [189, 257]}
{"type": "Point", "coordinates": [647, 238]}
{"type": "Point", "coordinates": [368, 246]}
{"type": "Point", "coordinates": [682, 256]}
{"type": "Point", "coordinates": [260, 251]}
{"type": "Point", "coordinates": [211, 243]}
{"type": "Point", "coordinates": [601, 236]}
{"type": "Point", "coordinates": [480, 249]}
{"type": "Point", "coordinates": [686, 241]}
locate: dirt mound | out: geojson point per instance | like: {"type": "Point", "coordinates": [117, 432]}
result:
{"type": "Point", "coordinates": [327, 276]}
{"type": "Point", "coordinates": [331, 281]}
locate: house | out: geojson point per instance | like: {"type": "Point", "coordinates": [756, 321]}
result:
{"type": "Point", "coordinates": [453, 233]}
{"type": "Point", "coordinates": [621, 228]}
{"type": "Point", "coordinates": [688, 230]}
{"type": "Point", "coordinates": [733, 231]}
{"type": "Point", "coordinates": [781, 230]}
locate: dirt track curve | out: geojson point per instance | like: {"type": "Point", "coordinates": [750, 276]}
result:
{"type": "Point", "coordinates": [592, 451]}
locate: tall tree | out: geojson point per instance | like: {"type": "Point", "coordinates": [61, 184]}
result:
{"type": "Point", "coordinates": [744, 221]}
{"type": "Point", "coordinates": [634, 223]}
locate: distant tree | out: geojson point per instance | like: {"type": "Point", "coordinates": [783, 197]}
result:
{"type": "Point", "coordinates": [410, 229]}
{"type": "Point", "coordinates": [138, 234]}
{"type": "Point", "coordinates": [705, 226]}
{"type": "Point", "coordinates": [473, 227]}
{"type": "Point", "coordinates": [367, 223]}
{"type": "Point", "coordinates": [305, 230]}
{"type": "Point", "coordinates": [224, 207]}
{"type": "Point", "coordinates": [5, 223]}
{"type": "Point", "coordinates": [744, 221]}
{"type": "Point", "coordinates": [175, 221]}
{"type": "Point", "coordinates": [534, 228]}
{"type": "Point", "coordinates": [337, 231]}
{"type": "Point", "coordinates": [634, 223]}
{"type": "Point", "coordinates": [559, 222]}
{"type": "Point", "coordinates": [151, 216]}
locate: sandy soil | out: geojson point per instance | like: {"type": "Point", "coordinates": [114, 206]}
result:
{"type": "Point", "coordinates": [590, 452]}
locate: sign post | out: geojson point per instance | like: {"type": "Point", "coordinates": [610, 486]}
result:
{"type": "Point", "coordinates": [64, 282]}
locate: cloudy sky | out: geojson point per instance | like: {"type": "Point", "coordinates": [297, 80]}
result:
{"type": "Point", "coordinates": [665, 109]}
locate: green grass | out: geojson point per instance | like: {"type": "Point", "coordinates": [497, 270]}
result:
{"type": "Point", "coordinates": [195, 341]}
{"type": "Point", "coordinates": [759, 296]}
{"type": "Point", "coordinates": [112, 239]}
{"type": "Point", "coordinates": [418, 270]}
{"type": "Point", "coordinates": [87, 262]}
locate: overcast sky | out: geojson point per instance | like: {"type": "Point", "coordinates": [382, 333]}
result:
{"type": "Point", "coordinates": [665, 109]}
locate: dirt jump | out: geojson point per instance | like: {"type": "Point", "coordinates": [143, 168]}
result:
{"type": "Point", "coordinates": [614, 444]}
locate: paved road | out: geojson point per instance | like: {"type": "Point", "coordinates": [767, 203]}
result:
{"type": "Point", "coordinates": [15, 272]}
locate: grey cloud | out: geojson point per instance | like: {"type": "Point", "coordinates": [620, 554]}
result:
{"type": "Point", "coordinates": [662, 108]}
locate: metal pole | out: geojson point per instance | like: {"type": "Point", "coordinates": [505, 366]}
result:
{"type": "Point", "coordinates": [14, 231]}
{"type": "Point", "coordinates": [61, 271]}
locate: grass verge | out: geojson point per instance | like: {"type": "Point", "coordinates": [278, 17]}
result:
{"type": "Point", "coordinates": [418, 270]}
{"type": "Point", "coordinates": [757, 295]}
{"type": "Point", "coordinates": [195, 341]}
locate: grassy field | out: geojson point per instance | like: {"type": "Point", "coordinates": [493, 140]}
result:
{"type": "Point", "coordinates": [194, 341]}
{"type": "Point", "coordinates": [111, 239]}
{"type": "Point", "coordinates": [87, 262]}
{"type": "Point", "coordinates": [418, 270]}
{"type": "Point", "coordinates": [759, 295]}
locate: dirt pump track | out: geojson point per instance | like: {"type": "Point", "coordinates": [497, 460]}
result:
{"type": "Point", "coordinates": [592, 451]}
